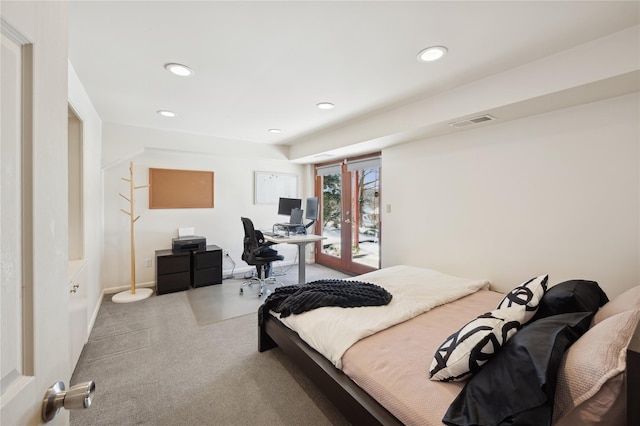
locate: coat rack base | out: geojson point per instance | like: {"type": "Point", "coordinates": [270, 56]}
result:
{"type": "Point", "coordinates": [128, 297]}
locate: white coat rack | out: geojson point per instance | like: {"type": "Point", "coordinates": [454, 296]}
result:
{"type": "Point", "coordinates": [132, 295]}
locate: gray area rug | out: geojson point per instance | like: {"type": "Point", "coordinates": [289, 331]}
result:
{"type": "Point", "coordinates": [155, 364]}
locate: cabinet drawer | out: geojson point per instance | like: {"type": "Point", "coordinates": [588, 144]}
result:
{"type": "Point", "coordinates": [173, 264]}
{"type": "Point", "coordinates": [202, 277]}
{"type": "Point", "coordinates": [207, 259]}
{"type": "Point", "coordinates": [173, 282]}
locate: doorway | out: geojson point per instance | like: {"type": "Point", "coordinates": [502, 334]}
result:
{"type": "Point", "coordinates": [349, 214]}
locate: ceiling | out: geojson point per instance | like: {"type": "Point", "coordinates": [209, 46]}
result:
{"type": "Point", "coordinates": [264, 65]}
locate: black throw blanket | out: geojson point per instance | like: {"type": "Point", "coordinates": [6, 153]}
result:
{"type": "Point", "coordinates": [296, 299]}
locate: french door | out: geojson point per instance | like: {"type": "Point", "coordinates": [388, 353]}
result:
{"type": "Point", "coordinates": [349, 214]}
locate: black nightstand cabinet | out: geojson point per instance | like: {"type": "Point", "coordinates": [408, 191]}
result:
{"type": "Point", "coordinates": [206, 267]}
{"type": "Point", "coordinates": [173, 271]}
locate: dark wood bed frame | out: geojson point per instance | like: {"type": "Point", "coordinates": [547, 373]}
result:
{"type": "Point", "coordinates": [359, 407]}
{"type": "Point", "coordinates": [353, 402]}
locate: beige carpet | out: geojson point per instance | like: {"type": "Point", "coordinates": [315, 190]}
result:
{"type": "Point", "coordinates": [154, 363]}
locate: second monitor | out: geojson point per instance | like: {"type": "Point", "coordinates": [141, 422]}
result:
{"type": "Point", "coordinates": [311, 209]}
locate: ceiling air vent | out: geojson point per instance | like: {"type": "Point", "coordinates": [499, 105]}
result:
{"type": "Point", "coordinates": [474, 120]}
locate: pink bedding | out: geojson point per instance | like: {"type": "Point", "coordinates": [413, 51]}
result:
{"type": "Point", "coordinates": [393, 365]}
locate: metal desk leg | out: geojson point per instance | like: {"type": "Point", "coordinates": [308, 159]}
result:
{"type": "Point", "coordinates": [302, 264]}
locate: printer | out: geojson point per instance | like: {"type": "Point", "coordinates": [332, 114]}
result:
{"type": "Point", "coordinates": [188, 243]}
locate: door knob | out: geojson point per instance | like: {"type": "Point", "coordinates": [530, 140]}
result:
{"type": "Point", "coordinates": [79, 396]}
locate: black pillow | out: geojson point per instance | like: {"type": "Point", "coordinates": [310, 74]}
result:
{"type": "Point", "coordinates": [517, 386]}
{"type": "Point", "coordinates": [571, 296]}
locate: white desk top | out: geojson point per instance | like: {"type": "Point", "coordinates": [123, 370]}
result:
{"type": "Point", "coordinates": [294, 238]}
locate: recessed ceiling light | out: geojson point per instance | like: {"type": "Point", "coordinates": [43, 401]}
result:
{"type": "Point", "coordinates": [275, 130]}
{"type": "Point", "coordinates": [179, 69]}
{"type": "Point", "coordinates": [325, 105]}
{"type": "Point", "coordinates": [166, 113]}
{"type": "Point", "coordinates": [432, 53]}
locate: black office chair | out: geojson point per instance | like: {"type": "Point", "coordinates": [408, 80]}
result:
{"type": "Point", "coordinates": [257, 253]}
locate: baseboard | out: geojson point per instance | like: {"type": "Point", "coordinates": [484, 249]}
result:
{"type": "Point", "coordinates": [225, 273]}
{"type": "Point", "coordinates": [112, 290]}
{"type": "Point", "coordinates": [95, 314]}
{"type": "Point", "coordinates": [239, 272]}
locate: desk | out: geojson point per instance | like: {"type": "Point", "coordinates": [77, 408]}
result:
{"type": "Point", "coordinates": [301, 240]}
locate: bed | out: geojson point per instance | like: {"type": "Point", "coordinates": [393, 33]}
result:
{"type": "Point", "coordinates": [383, 376]}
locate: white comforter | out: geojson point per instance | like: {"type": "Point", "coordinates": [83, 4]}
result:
{"type": "Point", "coordinates": [332, 330]}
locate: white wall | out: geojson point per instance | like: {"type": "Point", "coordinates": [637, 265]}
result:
{"type": "Point", "coordinates": [555, 193]}
{"type": "Point", "coordinates": [92, 190]}
{"type": "Point", "coordinates": [233, 165]}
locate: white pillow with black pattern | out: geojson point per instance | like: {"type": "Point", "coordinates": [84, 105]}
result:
{"type": "Point", "coordinates": [527, 296]}
{"type": "Point", "coordinates": [468, 349]}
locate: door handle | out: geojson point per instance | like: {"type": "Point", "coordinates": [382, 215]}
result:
{"type": "Point", "coordinates": [78, 396]}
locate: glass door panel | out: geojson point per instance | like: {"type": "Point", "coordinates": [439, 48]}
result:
{"type": "Point", "coordinates": [365, 247]}
{"type": "Point", "coordinates": [331, 214]}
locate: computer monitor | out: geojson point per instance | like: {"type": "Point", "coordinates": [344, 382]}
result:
{"type": "Point", "coordinates": [285, 205]}
{"type": "Point", "coordinates": [311, 210]}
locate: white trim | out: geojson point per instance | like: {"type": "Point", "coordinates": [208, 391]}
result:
{"type": "Point", "coordinates": [14, 35]}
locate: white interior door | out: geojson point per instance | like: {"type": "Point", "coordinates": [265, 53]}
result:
{"type": "Point", "coordinates": [33, 306]}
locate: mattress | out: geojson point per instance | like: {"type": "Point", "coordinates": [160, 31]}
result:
{"type": "Point", "coordinates": [393, 365]}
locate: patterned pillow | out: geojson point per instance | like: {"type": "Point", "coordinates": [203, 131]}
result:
{"type": "Point", "coordinates": [527, 295]}
{"type": "Point", "coordinates": [465, 351]}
